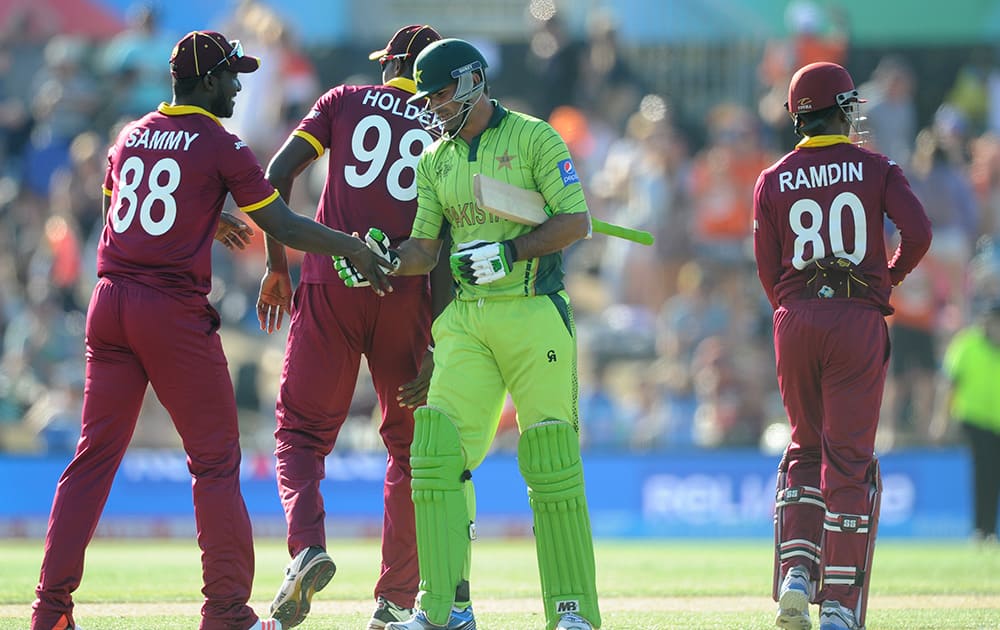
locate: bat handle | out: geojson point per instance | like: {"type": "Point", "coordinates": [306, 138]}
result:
{"type": "Point", "coordinates": [636, 236]}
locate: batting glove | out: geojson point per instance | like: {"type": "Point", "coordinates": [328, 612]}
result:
{"type": "Point", "coordinates": [378, 242]}
{"type": "Point", "coordinates": [483, 262]}
{"type": "Point", "coordinates": [349, 273]}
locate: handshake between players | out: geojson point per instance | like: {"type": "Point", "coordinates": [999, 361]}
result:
{"type": "Point", "coordinates": [478, 262]}
{"type": "Point", "coordinates": [378, 243]}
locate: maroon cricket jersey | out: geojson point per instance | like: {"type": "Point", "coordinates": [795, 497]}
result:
{"type": "Point", "coordinates": [829, 197]}
{"type": "Point", "coordinates": [375, 140]}
{"type": "Point", "coordinates": [168, 176]}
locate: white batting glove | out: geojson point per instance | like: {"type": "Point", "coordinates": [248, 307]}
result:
{"type": "Point", "coordinates": [378, 242]}
{"type": "Point", "coordinates": [349, 273]}
{"type": "Point", "coordinates": [483, 262]}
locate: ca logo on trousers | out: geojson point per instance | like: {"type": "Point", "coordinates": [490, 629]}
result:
{"type": "Point", "coordinates": [567, 606]}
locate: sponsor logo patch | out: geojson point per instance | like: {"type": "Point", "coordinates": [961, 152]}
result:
{"type": "Point", "coordinates": [567, 606]}
{"type": "Point", "coordinates": [568, 172]}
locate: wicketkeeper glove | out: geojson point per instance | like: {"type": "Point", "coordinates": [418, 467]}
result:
{"type": "Point", "coordinates": [378, 242]}
{"type": "Point", "coordinates": [483, 262]}
{"type": "Point", "coordinates": [836, 277]}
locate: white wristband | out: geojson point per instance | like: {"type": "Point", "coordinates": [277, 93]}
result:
{"type": "Point", "coordinates": [430, 348]}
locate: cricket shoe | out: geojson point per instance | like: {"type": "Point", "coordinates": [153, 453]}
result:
{"type": "Point", "coordinates": [266, 624]}
{"type": "Point", "coordinates": [307, 573]}
{"type": "Point", "coordinates": [573, 621]}
{"type": "Point", "coordinates": [387, 612]}
{"type": "Point", "coordinates": [793, 601]}
{"type": "Point", "coordinates": [458, 620]}
{"type": "Point", "coordinates": [833, 616]}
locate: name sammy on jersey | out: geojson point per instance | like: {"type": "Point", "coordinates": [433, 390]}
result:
{"type": "Point", "coordinates": [161, 140]}
{"type": "Point", "coordinates": [820, 175]}
{"type": "Point", "coordinates": [393, 104]}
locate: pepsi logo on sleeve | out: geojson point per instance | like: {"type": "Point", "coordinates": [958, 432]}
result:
{"type": "Point", "coordinates": [568, 172]}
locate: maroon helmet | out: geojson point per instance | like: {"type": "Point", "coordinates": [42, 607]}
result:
{"type": "Point", "coordinates": [819, 86]}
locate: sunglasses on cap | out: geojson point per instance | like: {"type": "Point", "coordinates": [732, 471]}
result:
{"type": "Point", "coordinates": [384, 59]}
{"type": "Point", "coordinates": [235, 53]}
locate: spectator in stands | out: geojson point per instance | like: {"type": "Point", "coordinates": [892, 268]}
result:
{"type": "Point", "coordinates": [132, 62]}
{"type": "Point", "coordinates": [553, 60]}
{"type": "Point", "coordinates": [610, 87]}
{"type": "Point", "coordinates": [946, 192]}
{"type": "Point", "coordinates": [721, 184]}
{"type": "Point", "coordinates": [814, 34]}
{"type": "Point", "coordinates": [641, 184]}
{"type": "Point", "coordinates": [64, 100]}
{"type": "Point", "coordinates": [984, 173]}
{"type": "Point", "coordinates": [913, 333]}
{"type": "Point", "coordinates": [891, 109]}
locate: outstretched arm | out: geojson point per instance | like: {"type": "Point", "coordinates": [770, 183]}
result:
{"type": "Point", "coordinates": [275, 296]}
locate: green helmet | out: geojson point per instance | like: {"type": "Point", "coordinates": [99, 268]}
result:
{"type": "Point", "coordinates": [443, 62]}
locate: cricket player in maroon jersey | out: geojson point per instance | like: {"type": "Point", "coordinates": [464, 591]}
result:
{"type": "Point", "coordinates": [375, 139]}
{"type": "Point", "coordinates": [822, 260]}
{"type": "Point", "coordinates": [150, 322]}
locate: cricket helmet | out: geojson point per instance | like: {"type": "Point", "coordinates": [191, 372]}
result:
{"type": "Point", "coordinates": [445, 61]}
{"type": "Point", "coordinates": [819, 86]}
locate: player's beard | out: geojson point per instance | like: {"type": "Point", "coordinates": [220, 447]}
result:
{"type": "Point", "coordinates": [222, 105]}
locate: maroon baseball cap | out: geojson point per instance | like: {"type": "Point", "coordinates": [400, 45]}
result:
{"type": "Point", "coordinates": [407, 42]}
{"type": "Point", "coordinates": [200, 52]}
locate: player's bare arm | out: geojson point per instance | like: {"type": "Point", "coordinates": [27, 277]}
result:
{"type": "Point", "coordinates": [414, 393]}
{"type": "Point", "coordinates": [556, 234]}
{"type": "Point", "coordinates": [275, 296]}
{"type": "Point", "coordinates": [417, 256]}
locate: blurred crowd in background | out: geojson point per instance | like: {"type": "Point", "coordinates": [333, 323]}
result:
{"type": "Point", "coordinates": [675, 339]}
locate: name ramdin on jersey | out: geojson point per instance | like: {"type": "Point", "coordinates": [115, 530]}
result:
{"type": "Point", "coordinates": [160, 140]}
{"type": "Point", "coordinates": [820, 175]}
{"type": "Point", "coordinates": [393, 104]}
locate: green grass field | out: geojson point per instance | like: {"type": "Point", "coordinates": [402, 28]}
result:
{"type": "Point", "coordinates": [644, 585]}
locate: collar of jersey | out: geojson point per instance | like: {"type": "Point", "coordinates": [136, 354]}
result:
{"type": "Point", "coordinates": [822, 141]}
{"type": "Point", "coordinates": [498, 113]}
{"type": "Point", "coordinates": [403, 83]}
{"type": "Point", "coordinates": [180, 110]}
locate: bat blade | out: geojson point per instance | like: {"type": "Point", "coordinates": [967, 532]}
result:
{"type": "Point", "coordinates": [510, 202]}
{"type": "Point", "coordinates": [528, 208]}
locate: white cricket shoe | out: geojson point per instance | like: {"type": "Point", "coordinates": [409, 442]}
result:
{"type": "Point", "coordinates": [458, 620]}
{"type": "Point", "coordinates": [793, 600]}
{"type": "Point", "coordinates": [387, 612]}
{"type": "Point", "coordinates": [307, 573]}
{"type": "Point", "coordinates": [833, 616]}
{"type": "Point", "coordinates": [573, 621]}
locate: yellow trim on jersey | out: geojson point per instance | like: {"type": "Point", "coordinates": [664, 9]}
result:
{"type": "Point", "coordinates": [311, 139]}
{"type": "Point", "coordinates": [823, 141]}
{"type": "Point", "coordinates": [260, 204]}
{"type": "Point", "coordinates": [107, 191]}
{"type": "Point", "coordinates": [182, 110]}
{"type": "Point", "coordinates": [403, 83]}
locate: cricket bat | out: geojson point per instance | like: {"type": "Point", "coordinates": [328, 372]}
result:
{"type": "Point", "coordinates": [528, 208]}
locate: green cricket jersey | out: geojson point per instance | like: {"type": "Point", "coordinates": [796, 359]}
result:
{"type": "Point", "coordinates": [971, 361]}
{"type": "Point", "coordinates": [515, 148]}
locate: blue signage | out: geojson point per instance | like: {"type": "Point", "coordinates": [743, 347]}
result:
{"type": "Point", "coordinates": [727, 494]}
